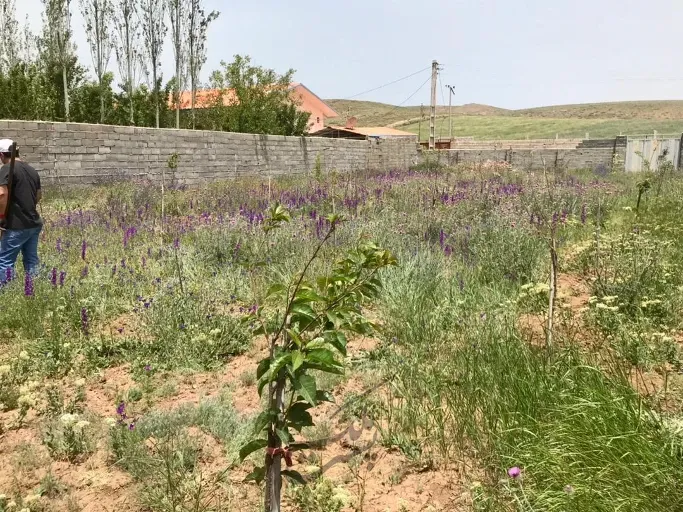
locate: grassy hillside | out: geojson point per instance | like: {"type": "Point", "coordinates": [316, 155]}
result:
{"type": "Point", "coordinates": [370, 113]}
{"type": "Point", "coordinates": [508, 127]}
{"type": "Point", "coordinates": [486, 122]}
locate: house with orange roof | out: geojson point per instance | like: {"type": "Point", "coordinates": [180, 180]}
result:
{"type": "Point", "coordinates": [306, 100]}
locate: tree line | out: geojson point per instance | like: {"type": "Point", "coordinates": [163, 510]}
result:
{"type": "Point", "coordinates": [41, 77]}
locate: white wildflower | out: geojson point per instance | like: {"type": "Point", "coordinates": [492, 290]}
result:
{"type": "Point", "coordinates": [26, 400]}
{"type": "Point", "coordinates": [80, 425]}
{"type": "Point", "coordinates": [215, 332]}
{"type": "Point", "coordinates": [24, 355]}
{"type": "Point", "coordinates": [111, 422]}
{"type": "Point", "coordinates": [600, 305]}
{"type": "Point", "coordinates": [79, 383]}
{"type": "Point", "coordinates": [5, 369]}
{"type": "Point", "coordinates": [68, 420]}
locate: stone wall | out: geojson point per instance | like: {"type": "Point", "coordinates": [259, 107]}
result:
{"type": "Point", "coordinates": [587, 154]}
{"type": "Point", "coordinates": [85, 153]}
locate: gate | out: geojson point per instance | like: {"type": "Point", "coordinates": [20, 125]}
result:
{"type": "Point", "coordinates": [641, 151]}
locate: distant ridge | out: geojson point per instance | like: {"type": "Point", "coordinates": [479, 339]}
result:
{"type": "Point", "coordinates": [488, 122]}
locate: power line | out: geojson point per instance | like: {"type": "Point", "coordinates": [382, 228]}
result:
{"type": "Point", "coordinates": [387, 84]}
{"type": "Point", "coordinates": [409, 97]}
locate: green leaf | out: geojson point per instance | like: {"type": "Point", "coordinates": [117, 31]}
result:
{"type": "Point", "coordinates": [308, 295]}
{"type": "Point", "coordinates": [324, 396]}
{"type": "Point", "coordinates": [322, 356]}
{"type": "Point", "coordinates": [303, 310]}
{"type": "Point", "coordinates": [263, 419]}
{"type": "Point", "coordinates": [337, 340]}
{"type": "Point", "coordinates": [276, 289]}
{"type": "Point", "coordinates": [306, 387]}
{"type": "Point", "coordinates": [327, 368]}
{"type": "Point", "coordinates": [251, 447]}
{"type": "Point", "coordinates": [257, 475]}
{"type": "Point", "coordinates": [299, 417]}
{"type": "Point", "coordinates": [297, 360]}
{"type": "Point", "coordinates": [335, 319]}
{"type": "Point", "coordinates": [263, 367]}
{"type": "Point", "coordinates": [294, 476]}
{"type": "Point", "coordinates": [284, 435]}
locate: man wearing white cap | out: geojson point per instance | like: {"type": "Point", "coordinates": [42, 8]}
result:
{"type": "Point", "coordinates": [22, 224]}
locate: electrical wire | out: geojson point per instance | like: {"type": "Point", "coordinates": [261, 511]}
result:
{"type": "Point", "coordinates": [388, 84]}
{"type": "Point", "coordinates": [409, 97]}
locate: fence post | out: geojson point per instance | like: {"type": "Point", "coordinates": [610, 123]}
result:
{"type": "Point", "coordinates": [680, 154]}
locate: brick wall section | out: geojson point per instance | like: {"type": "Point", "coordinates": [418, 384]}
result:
{"type": "Point", "coordinates": [84, 153]}
{"type": "Point", "coordinates": [587, 154]}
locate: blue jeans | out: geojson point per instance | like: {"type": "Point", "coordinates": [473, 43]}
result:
{"type": "Point", "coordinates": [16, 240]}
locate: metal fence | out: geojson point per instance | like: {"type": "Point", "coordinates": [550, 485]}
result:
{"type": "Point", "coordinates": [649, 152]}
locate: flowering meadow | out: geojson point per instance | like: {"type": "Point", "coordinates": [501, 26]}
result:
{"type": "Point", "coordinates": [128, 365]}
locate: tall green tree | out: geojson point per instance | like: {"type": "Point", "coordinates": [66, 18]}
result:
{"type": "Point", "coordinates": [253, 99]}
{"type": "Point", "coordinates": [10, 43]}
{"type": "Point", "coordinates": [154, 30]}
{"type": "Point", "coordinates": [56, 44]}
{"type": "Point", "coordinates": [178, 11]}
{"type": "Point", "coordinates": [128, 51]}
{"type": "Point", "coordinates": [99, 16]}
{"type": "Point", "coordinates": [197, 25]}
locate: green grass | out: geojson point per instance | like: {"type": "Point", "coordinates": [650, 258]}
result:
{"type": "Point", "coordinates": [496, 127]}
{"type": "Point", "coordinates": [463, 381]}
{"type": "Point", "coordinates": [486, 122]}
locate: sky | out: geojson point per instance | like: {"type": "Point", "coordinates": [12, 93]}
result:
{"type": "Point", "coordinates": [506, 53]}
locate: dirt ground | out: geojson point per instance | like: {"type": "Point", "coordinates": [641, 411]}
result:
{"type": "Point", "coordinates": [384, 480]}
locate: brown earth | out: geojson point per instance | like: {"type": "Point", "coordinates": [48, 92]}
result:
{"type": "Point", "coordinates": [382, 478]}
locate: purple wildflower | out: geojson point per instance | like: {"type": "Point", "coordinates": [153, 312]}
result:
{"type": "Point", "coordinates": [148, 368]}
{"type": "Point", "coordinates": [584, 214]}
{"type": "Point", "coordinates": [53, 276]}
{"type": "Point", "coordinates": [442, 238]}
{"type": "Point", "coordinates": [84, 249]}
{"type": "Point", "coordinates": [28, 285]}
{"type": "Point", "coordinates": [131, 426]}
{"type": "Point", "coordinates": [84, 320]}
{"type": "Point", "coordinates": [8, 274]}
{"type": "Point", "coordinates": [62, 276]}
{"type": "Point", "coordinates": [84, 272]}
{"type": "Point", "coordinates": [176, 243]}
{"type": "Point", "coordinates": [144, 262]}
{"type": "Point", "coordinates": [59, 245]}
{"type": "Point", "coordinates": [514, 472]}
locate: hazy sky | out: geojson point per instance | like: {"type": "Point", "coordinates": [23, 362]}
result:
{"type": "Point", "coordinates": [507, 53]}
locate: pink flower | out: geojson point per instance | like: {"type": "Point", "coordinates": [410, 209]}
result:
{"type": "Point", "coordinates": [514, 472]}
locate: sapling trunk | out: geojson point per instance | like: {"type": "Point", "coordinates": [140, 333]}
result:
{"type": "Point", "coordinates": [553, 289]}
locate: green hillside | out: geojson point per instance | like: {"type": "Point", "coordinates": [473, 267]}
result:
{"type": "Point", "coordinates": [508, 127]}
{"type": "Point", "coordinates": [486, 122]}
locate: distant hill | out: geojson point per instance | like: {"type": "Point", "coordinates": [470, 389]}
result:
{"type": "Point", "coordinates": [484, 121]}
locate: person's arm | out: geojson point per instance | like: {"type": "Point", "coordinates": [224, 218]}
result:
{"type": "Point", "coordinates": [3, 201]}
{"type": "Point", "coordinates": [4, 177]}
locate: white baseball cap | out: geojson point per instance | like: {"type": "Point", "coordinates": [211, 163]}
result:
{"type": "Point", "coordinates": [6, 145]}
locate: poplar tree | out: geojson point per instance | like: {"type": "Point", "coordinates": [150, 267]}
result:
{"type": "Point", "coordinates": [154, 29]}
{"type": "Point", "coordinates": [56, 41]}
{"type": "Point", "coordinates": [178, 11]}
{"type": "Point", "coordinates": [128, 51]}
{"type": "Point", "coordinates": [98, 16]}
{"type": "Point", "coordinates": [197, 25]}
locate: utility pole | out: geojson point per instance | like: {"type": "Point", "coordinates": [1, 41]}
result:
{"type": "Point", "coordinates": [450, 106]}
{"type": "Point", "coordinates": [419, 123]}
{"type": "Point", "coordinates": [432, 113]}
